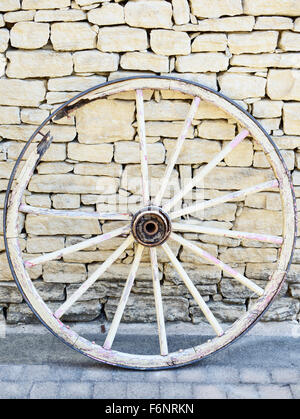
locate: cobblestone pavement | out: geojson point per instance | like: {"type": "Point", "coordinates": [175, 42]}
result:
{"type": "Point", "coordinates": [257, 366]}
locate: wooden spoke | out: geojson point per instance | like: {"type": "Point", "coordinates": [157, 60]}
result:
{"type": "Point", "coordinates": [206, 169]}
{"type": "Point", "coordinates": [76, 247]}
{"type": "Point", "coordinates": [75, 214]}
{"type": "Point", "coordinates": [179, 144]}
{"type": "Point", "coordinates": [193, 290]}
{"type": "Point", "coordinates": [212, 259]}
{"type": "Point", "coordinates": [143, 146]}
{"type": "Point", "coordinates": [124, 298]}
{"type": "Point", "coordinates": [158, 303]}
{"type": "Point", "coordinates": [93, 278]}
{"type": "Point", "coordinates": [225, 198]}
{"type": "Point", "coordinates": [226, 233]}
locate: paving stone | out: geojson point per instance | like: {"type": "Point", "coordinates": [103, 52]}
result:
{"type": "Point", "coordinates": [15, 390]}
{"type": "Point", "coordinates": [176, 391]}
{"type": "Point", "coordinates": [208, 392]}
{"type": "Point", "coordinates": [242, 391]}
{"type": "Point", "coordinates": [112, 390]}
{"type": "Point", "coordinates": [285, 375]}
{"type": "Point", "coordinates": [76, 390]}
{"type": "Point", "coordinates": [142, 390]}
{"type": "Point", "coordinates": [274, 392]}
{"type": "Point", "coordinates": [254, 375]}
{"type": "Point", "coordinates": [45, 390]}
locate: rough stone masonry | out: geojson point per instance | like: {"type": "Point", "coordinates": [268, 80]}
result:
{"type": "Point", "coordinates": [52, 49]}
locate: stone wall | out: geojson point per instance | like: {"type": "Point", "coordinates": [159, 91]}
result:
{"type": "Point", "coordinates": [52, 49]}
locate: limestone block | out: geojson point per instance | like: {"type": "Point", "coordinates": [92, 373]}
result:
{"type": "Point", "coordinates": [71, 36]}
{"type": "Point", "coordinates": [56, 271]}
{"type": "Point", "coordinates": [286, 142]}
{"type": "Point", "coordinates": [105, 120]}
{"type": "Point", "coordinates": [74, 83]}
{"type": "Point", "coordinates": [5, 169]}
{"type": "Point", "coordinates": [194, 151]}
{"type": "Point", "coordinates": [50, 291]}
{"type": "Point", "coordinates": [242, 86]}
{"type": "Point", "coordinates": [166, 42]}
{"type": "Point", "coordinates": [44, 244]}
{"type": "Point", "coordinates": [283, 309]}
{"type": "Point", "coordinates": [23, 132]}
{"type": "Point", "coordinates": [70, 15]}
{"type": "Point", "coordinates": [47, 225]}
{"type": "Point", "coordinates": [61, 97]}
{"type": "Point", "coordinates": [223, 311]}
{"type": "Point", "coordinates": [66, 201]}
{"type": "Point", "coordinates": [9, 115]}
{"type": "Point", "coordinates": [95, 61]}
{"type": "Point", "coordinates": [101, 153]}
{"type": "Point", "coordinates": [289, 41]}
{"type": "Point", "coordinates": [226, 178]}
{"type": "Point", "coordinates": [73, 184]}
{"type": "Point", "coordinates": [293, 274]}
{"type": "Point", "coordinates": [29, 35]}
{"type": "Point", "coordinates": [149, 14]}
{"type": "Point", "coordinates": [144, 61]}
{"type": "Point", "coordinates": [296, 177]}
{"type": "Point", "coordinates": [142, 308]}
{"type": "Point", "coordinates": [167, 129]}
{"type": "Point", "coordinates": [210, 42]}
{"type": "Point", "coordinates": [225, 24]}
{"type": "Point", "coordinates": [189, 257]}
{"type": "Point", "coordinates": [254, 42]}
{"type": "Point", "coordinates": [27, 64]}
{"type": "Point", "coordinates": [274, 22]}
{"type": "Point", "coordinates": [166, 110]}
{"type": "Point", "coordinates": [241, 156]}
{"type": "Point", "coordinates": [291, 122]}
{"type": "Point", "coordinates": [45, 4]}
{"type": "Point", "coordinates": [20, 16]}
{"type": "Point", "coordinates": [5, 271]}
{"type": "Point", "coordinates": [108, 14]}
{"type": "Point", "coordinates": [216, 130]}
{"type": "Point", "coordinates": [267, 108]}
{"type": "Point", "coordinates": [4, 39]}
{"type": "Point", "coordinates": [9, 293]}
{"type": "Point", "coordinates": [9, 5]}
{"type": "Point", "coordinates": [129, 152]}
{"type": "Point", "coordinates": [33, 116]}
{"type": "Point", "coordinates": [274, 7]}
{"type": "Point", "coordinates": [54, 168]}
{"type": "Point", "coordinates": [131, 180]}
{"type": "Point", "coordinates": [284, 60]}
{"type": "Point", "coordinates": [181, 11]}
{"type": "Point", "coordinates": [203, 275]}
{"type": "Point", "coordinates": [216, 8]}
{"type": "Point", "coordinates": [296, 25]}
{"type": "Point", "coordinates": [3, 63]}
{"type": "Point", "coordinates": [95, 169]}
{"type": "Point", "coordinates": [249, 254]}
{"type": "Point", "coordinates": [38, 200]}
{"type": "Point", "coordinates": [202, 62]}
{"type": "Point", "coordinates": [1, 20]}
{"type": "Point", "coordinates": [259, 221]}
{"type": "Point", "coordinates": [231, 288]}
{"type": "Point", "coordinates": [207, 110]}
{"type": "Point", "coordinates": [122, 39]}
{"type": "Point", "coordinates": [284, 84]}
{"type": "Point", "coordinates": [33, 92]}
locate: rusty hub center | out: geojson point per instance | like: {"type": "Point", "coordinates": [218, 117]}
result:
{"type": "Point", "coordinates": [151, 226]}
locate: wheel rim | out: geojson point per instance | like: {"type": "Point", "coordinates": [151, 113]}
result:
{"type": "Point", "coordinates": [105, 353]}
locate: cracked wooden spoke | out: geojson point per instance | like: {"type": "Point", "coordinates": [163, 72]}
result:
{"type": "Point", "coordinates": [206, 169]}
{"type": "Point", "coordinates": [93, 278]}
{"type": "Point", "coordinates": [76, 247]}
{"type": "Point", "coordinates": [212, 259]}
{"type": "Point", "coordinates": [225, 198]}
{"type": "Point", "coordinates": [193, 228]}
{"type": "Point", "coordinates": [158, 303]}
{"type": "Point", "coordinates": [143, 146]}
{"type": "Point", "coordinates": [124, 298]}
{"type": "Point", "coordinates": [175, 155]}
{"type": "Point", "coordinates": [75, 214]}
{"type": "Point", "coordinates": [193, 290]}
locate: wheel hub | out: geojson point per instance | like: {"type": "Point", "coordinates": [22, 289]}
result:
{"type": "Point", "coordinates": [151, 226]}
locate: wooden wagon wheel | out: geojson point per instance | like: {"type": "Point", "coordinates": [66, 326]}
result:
{"type": "Point", "coordinates": [156, 224]}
